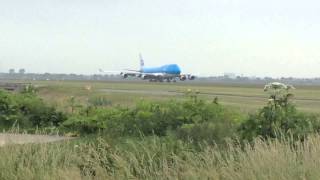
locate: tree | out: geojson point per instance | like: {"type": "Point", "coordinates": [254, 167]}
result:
{"type": "Point", "coordinates": [22, 71]}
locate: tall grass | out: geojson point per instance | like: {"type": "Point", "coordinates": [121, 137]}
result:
{"type": "Point", "coordinates": [161, 158]}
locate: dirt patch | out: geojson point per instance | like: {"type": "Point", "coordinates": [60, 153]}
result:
{"type": "Point", "coordinates": [6, 138]}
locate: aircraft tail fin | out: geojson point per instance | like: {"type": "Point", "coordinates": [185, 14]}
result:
{"type": "Point", "coordinates": [141, 62]}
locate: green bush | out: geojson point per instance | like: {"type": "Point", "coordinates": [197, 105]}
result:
{"type": "Point", "coordinates": [27, 110]}
{"type": "Point", "coordinates": [189, 119]}
{"type": "Point", "coordinates": [38, 113]}
{"type": "Point", "coordinates": [9, 110]}
{"type": "Point", "coordinates": [270, 123]}
{"type": "Point", "coordinates": [279, 118]}
{"type": "Point", "coordinates": [211, 122]}
{"type": "Point", "coordinates": [95, 120]}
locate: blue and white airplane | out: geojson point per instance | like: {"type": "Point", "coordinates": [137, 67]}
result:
{"type": "Point", "coordinates": [169, 73]}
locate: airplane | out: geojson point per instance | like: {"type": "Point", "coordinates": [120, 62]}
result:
{"type": "Point", "coordinates": [168, 73]}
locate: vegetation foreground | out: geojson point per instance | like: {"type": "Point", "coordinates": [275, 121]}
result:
{"type": "Point", "coordinates": [158, 158]}
{"type": "Point", "coordinates": [192, 138]}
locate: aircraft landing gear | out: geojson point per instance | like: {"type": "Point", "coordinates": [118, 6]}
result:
{"type": "Point", "coordinates": [156, 80]}
{"type": "Point", "coordinates": [168, 80]}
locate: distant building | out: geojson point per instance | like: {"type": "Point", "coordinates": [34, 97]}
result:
{"type": "Point", "coordinates": [12, 71]}
{"type": "Point", "coordinates": [22, 71]}
{"type": "Point", "coordinates": [230, 75]}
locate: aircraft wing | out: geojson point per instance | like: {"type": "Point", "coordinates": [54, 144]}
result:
{"type": "Point", "coordinates": [132, 70]}
{"type": "Point", "coordinates": [109, 72]}
{"type": "Point", "coordinates": [119, 72]}
{"type": "Point", "coordinates": [125, 73]}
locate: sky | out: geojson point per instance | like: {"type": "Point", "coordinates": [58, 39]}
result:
{"type": "Point", "coordinates": [277, 38]}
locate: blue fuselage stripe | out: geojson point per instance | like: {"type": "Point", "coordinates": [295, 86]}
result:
{"type": "Point", "coordinates": [166, 69]}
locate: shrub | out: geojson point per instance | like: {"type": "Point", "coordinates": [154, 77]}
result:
{"type": "Point", "coordinates": [188, 119]}
{"type": "Point", "coordinates": [27, 110]}
{"type": "Point", "coordinates": [95, 120]}
{"type": "Point", "coordinates": [9, 112]}
{"type": "Point", "coordinates": [212, 123]}
{"type": "Point", "coordinates": [38, 113]}
{"type": "Point", "coordinates": [279, 117]}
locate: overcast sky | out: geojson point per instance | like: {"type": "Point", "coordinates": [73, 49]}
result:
{"type": "Point", "coordinates": [208, 37]}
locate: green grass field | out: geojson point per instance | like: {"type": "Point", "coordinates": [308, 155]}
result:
{"type": "Point", "coordinates": [245, 97]}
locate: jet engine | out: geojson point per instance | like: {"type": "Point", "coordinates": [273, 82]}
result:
{"type": "Point", "coordinates": [144, 77]}
{"type": "Point", "coordinates": [183, 77]}
{"type": "Point", "coordinates": [191, 77]}
{"type": "Point", "coordinates": [124, 75]}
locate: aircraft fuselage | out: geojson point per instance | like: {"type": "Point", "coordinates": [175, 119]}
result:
{"type": "Point", "coordinates": [172, 69]}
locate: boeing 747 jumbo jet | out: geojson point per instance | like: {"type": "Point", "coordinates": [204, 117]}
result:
{"type": "Point", "coordinates": [168, 73]}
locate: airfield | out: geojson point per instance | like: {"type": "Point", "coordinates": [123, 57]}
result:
{"type": "Point", "coordinates": [246, 98]}
{"type": "Point", "coordinates": [108, 155]}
